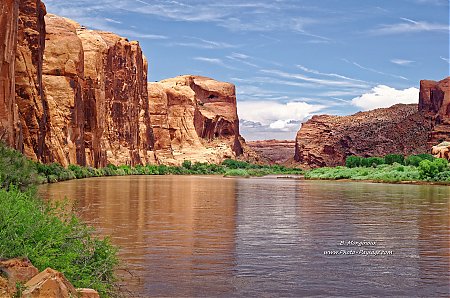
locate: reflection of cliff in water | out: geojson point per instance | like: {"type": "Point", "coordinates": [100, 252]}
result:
{"type": "Point", "coordinates": [211, 236]}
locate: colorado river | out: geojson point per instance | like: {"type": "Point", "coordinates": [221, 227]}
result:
{"type": "Point", "coordinates": [268, 237]}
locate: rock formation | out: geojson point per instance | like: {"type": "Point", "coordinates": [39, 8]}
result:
{"type": "Point", "coordinates": [434, 102]}
{"type": "Point", "coordinates": [77, 96]}
{"type": "Point", "coordinates": [441, 150]}
{"type": "Point", "coordinates": [274, 151]}
{"type": "Point", "coordinates": [117, 127]}
{"type": "Point", "coordinates": [327, 140]}
{"type": "Point", "coordinates": [407, 129]}
{"type": "Point", "coordinates": [10, 131]}
{"type": "Point", "coordinates": [63, 79]}
{"type": "Point", "coordinates": [48, 283]}
{"type": "Point", "coordinates": [30, 97]}
{"type": "Point", "coordinates": [194, 118]}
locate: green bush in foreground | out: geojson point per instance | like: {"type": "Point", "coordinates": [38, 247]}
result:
{"type": "Point", "coordinates": [51, 236]}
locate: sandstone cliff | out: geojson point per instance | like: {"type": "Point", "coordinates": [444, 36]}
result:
{"type": "Point", "coordinates": [78, 96]}
{"type": "Point", "coordinates": [29, 92]}
{"type": "Point", "coordinates": [327, 140]}
{"type": "Point", "coordinates": [10, 131]}
{"type": "Point", "coordinates": [274, 151]}
{"type": "Point", "coordinates": [434, 102]}
{"type": "Point", "coordinates": [408, 129]}
{"type": "Point", "coordinates": [194, 118]}
{"type": "Point", "coordinates": [63, 79]}
{"type": "Point", "coordinates": [117, 127]}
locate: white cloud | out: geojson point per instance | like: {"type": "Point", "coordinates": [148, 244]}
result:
{"type": "Point", "coordinates": [401, 61]}
{"type": "Point", "coordinates": [333, 75]}
{"type": "Point", "coordinates": [374, 70]}
{"type": "Point", "coordinates": [215, 61]}
{"type": "Point", "coordinates": [276, 115]}
{"type": "Point", "coordinates": [323, 82]}
{"type": "Point", "coordinates": [446, 59]}
{"type": "Point", "coordinates": [410, 26]}
{"type": "Point", "coordinates": [203, 44]}
{"type": "Point", "coordinates": [383, 96]}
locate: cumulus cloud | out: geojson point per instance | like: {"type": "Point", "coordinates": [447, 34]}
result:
{"type": "Point", "coordinates": [383, 96]}
{"type": "Point", "coordinates": [275, 115]}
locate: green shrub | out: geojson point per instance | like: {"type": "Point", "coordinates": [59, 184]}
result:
{"type": "Point", "coordinates": [413, 160]}
{"type": "Point", "coordinates": [236, 164]}
{"type": "Point", "coordinates": [237, 172]}
{"type": "Point", "coordinates": [392, 158]}
{"type": "Point", "coordinates": [51, 236]}
{"type": "Point", "coordinates": [353, 161]}
{"type": "Point", "coordinates": [16, 169]}
{"type": "Point", "coordinates": [187, 164]}
{"type": "Point", "coordinates": [431, 169]}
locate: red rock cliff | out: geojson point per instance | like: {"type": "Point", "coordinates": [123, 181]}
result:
{"type": "Point", "coordinates": [117, 127]}
{"type": "Point", "coordinates": [28, 74]}
{"type": "Point", "coordinates": [81, 98]}
{"type": "Point", "coordinates": [10, 130]}
{"type": "Point", "coordinates": [434, 102]}
{"type": "Point", "coordinates": [327, 140]}
{"type": "Point", "coordinates": [194, 118]}
{"type": "Point", "coordinates": [63, 79]}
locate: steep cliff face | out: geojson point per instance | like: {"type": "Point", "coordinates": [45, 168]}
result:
{"type": "Point", "coordinates": [81, 97]}
{"type": "Point", "coordinates": [63, 79]}
{"type": "Point", "coordinates": [327, 140]}
{"type": "Point", "coordinates": [10, 130]}
{"type": "Point", "coordinates": [194, 118]}
{"type": "Point", "coordinates": [117, 127]}
{"type": "Point", "coordinates": [274, 151]}
{"type": "Point", "coordinates": [28, 73]}
{"type": "Point", "coordinates": [434, 102]}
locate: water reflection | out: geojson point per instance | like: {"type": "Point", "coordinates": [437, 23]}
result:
{"type": "Point", "coordinates": [210, 236]}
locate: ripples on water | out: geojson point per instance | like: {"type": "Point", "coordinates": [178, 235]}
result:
{"type": "Point", "coordinates": [266, 237]}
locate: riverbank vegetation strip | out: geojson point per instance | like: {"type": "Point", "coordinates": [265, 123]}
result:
{"type": "Point", "coordinates": [390, 168]}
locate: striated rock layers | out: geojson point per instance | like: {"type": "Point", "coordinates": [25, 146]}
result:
{"type": "Point", "coordinates": [10, 131]}
{"type": "Point", "coordinates": [78, 96]}
{"type": "Point", "coordinates": [434, 102]}
{"type": "Point", "coordinates": [29, 91]}
{"type": "Point", "coordinates": [274, 151]}
{"type": "Point", "coordinates": [194, 118]}
{"type": "Point", "coordinates": [327, 140]}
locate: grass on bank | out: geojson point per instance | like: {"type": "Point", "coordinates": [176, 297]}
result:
{"type": "Point", "coordinates": [391, 168]}
{"type": "Point", "coordinates": [49, 234]}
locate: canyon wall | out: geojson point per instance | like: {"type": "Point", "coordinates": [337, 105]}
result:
{"type": "Point", "coordinates": [29, 91]}
{"type": "Point", "coordinates": [274, 151]}
{"type": "Point", "coordinates": [194, 118]}
{"type": "Point", "coordinates": [407, 129]}
{"type": "Point", "coordinates": [434, 102]}
{"type": "Point", "coordinates": [327, 140]}
{"type": "Point", "coordinates": [78, 96]}
{"type": "Point", "coordinates": [10, 131]}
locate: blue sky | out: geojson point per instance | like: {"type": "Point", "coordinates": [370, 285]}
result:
{"type": "Point", "coordinates": [289, 59]}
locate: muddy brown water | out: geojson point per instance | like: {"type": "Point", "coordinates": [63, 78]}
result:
{"type": "Point", "coordinates": [208, 236]}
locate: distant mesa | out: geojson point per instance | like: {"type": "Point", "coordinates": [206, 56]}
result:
{"type": "Point", "coordinates": [407, 129]}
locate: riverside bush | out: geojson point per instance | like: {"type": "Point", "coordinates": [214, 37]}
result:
{"type": "Point", "coordinates": [52, 236]}
{"type": "Point", "coordinates": [16, 169]}
{"type": "Point", "coordinates": [431, 169]}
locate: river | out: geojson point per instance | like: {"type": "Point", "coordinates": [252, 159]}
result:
{"type": "Point", "coordinates": [208, 236]}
